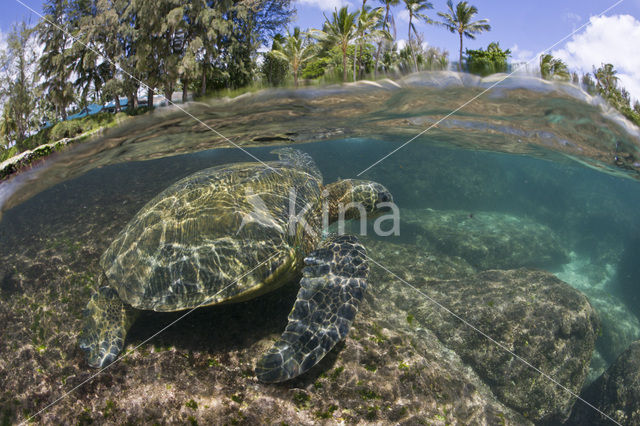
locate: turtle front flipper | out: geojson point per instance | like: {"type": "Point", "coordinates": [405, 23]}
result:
{"type": "Point", "coordinates": [107, 321]}
{"type": "Point", "coordinates": [333, 284]}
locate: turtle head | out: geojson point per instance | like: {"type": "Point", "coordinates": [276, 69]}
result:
{"type": "Point", "coordinates": [353, 198]}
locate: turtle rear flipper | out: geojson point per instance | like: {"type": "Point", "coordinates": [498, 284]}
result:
{"type": "Point", "coordinates": [107, 321]}
{"type": "Point", "coordinates": [331, 289]}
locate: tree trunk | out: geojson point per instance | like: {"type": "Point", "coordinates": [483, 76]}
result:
{"type": "Point", "coordinates": [135, 100]}
{"type": "Point", "coordinates": [168, 93]}
{"type": "Point", "coordinates": [375, 67]}
{"type": "Point", "coordinates": [203, 85]}
{"type": "Point", "coordinates": [460, 63]}
{"type": "Point", "coordinates": [63, 112]}
{"type": "Point", "coordinates": [150, 98]}
{"type": "Point", "coordinates": [344, 64]}
{"type": "Point", "coordinates": [355, 53]}
{"type": "Point", "coordinates": [116, 100]}
{"type": "Point", "coordinates": [295, 78]}
{"type": "Point", "coordinates": [413, 54]}
{"type": "Point", "coordinates": [360, 66]}
{"type": "Point", "coordinates": [185, 86]}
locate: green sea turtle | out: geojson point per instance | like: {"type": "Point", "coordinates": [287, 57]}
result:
{"type": "Point", "coordinates": [231, 233]}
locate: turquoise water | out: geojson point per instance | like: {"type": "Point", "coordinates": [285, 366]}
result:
{"type": "Point", "coordinates": [534, 176]}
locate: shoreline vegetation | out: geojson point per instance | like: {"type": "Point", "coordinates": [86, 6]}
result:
{"type": "Point", "coordinates": [85, 54]}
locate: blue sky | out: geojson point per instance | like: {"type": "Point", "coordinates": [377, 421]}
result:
{"type": "Point", "coordinates": [529, 25]}
{"type": "Point", "coordinates": [525, 27]}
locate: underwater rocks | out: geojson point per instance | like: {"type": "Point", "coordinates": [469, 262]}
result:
{"type": "Point", "coordinates": [388, 371]}
{"type": "Point", "coordinates": [531, 313]}
{"type": "Point", "coordinates": [487, 240]}
{"type": "Point", "coordinates": [616, 393]}
{"type": "Point", "coordinates": [391, 369]}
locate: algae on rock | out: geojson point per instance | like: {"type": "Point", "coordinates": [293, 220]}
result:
{"type": "Point", "coordinates": [616, 393]}
{"type": "Point", "coordinates": [531, 313]}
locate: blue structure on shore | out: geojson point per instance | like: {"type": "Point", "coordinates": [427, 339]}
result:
{"type": "Point", "coordinates": [92, 109]}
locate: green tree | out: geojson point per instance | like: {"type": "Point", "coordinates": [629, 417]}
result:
{"type": "Point", "coordinates": [227, 35]}
{"type": "Point", "coordinates": [155, 62]}
{"type": "Point", "coordinates": [171, 44]}
{"type": "Point", "coordinates": [485, 62]}
{"type": "Point", "coordinates": [296, 50]}
{"type": "Point", "coordinates": [606, 80]}
{"type": "Point", "coordinates": [436, 59]}
{"type": "Point", "coordinates": [416, 10]}
{"type": "Point", "coordinates": [18, 90]}
{"type": "Point", "coordinates": [460, 20]}
{"type": "Point", "coordinates": [339, 31]}
{"type": "Point", "coordinates": [56, 63]}
{"type": "Point", "coordinates": [275, 66]}
{"type": "Point", "coordinates": [387, 22]}
{"type": "Point", "coordinates": [553, 69]}
{"type": "Point", "coordinates": [368, 28]}
{"type": "Point", "coordinates": [575, 79]}
{"type": "Point", "coordinates": [606, 84]}
{"type": "Point", "coordinates": [588, 84]}
{"type": "Point", "coordinates": [99, 30]}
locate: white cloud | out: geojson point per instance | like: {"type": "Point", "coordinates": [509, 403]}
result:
{"type": "Point", "coordinates": [403, 15]}
{"type": "Point", "coordinates": [520, 55]}
{"type": "Point", "coordinates": [607, 39]}
{"type": "Point", "coordinates": [574, 19]}
{"type": "Point", "coordinates": [632, 84]}
{"type": "Point", "coordinates": [325, 5]}
{"type": "Point", "coordinates": [3, 41]}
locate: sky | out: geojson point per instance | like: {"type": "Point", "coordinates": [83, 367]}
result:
{"type": "Point", "coordinates": [527, 28]}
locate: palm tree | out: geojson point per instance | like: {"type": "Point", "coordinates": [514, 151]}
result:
{"type": "Point", "coordinates": [552, 68]}
{"type": "Point", "coordinates": [340, 31]}
{"type": "Point", "coordinates": [416, 9]}
{"type": "Point", "coordinates": [296, 50]}
{"type": "Point", "coordinates": [606, 79]}
{"type": "Point", "coordinates": [459, 20]}
{"type": "Point", "coordinates": [387, 22]}
{"type": "Point", "coordinates": [369, 22]}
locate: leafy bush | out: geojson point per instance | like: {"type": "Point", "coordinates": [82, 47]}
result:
{"type": "Point", "coordinates": [6, 153]}
{"type": "Point", "coordinates": [316, 67]}
{"type": "Point", "coordinates": [274, 69]}
{"type": "Point", "coordinates": [490, 61]}
{"type": "Point", "coordinates": [66, 129]}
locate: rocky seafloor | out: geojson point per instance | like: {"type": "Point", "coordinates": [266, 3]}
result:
{"type": "Point", "coordinates": [407, 360]}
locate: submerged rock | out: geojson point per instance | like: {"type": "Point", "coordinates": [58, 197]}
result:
{"type": "Point", "coordinates": [616, 393]}
{"type": "Point", "coordinates": [392, 368]}
{"type": "Point", "coordinates": [389, 370]}
{"type": "Point", "coordinates": [531, 313]}
{"type": "Point", "coordinates": [487, 240]}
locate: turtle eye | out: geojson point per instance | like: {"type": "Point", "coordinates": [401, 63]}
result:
{"type": "Point", "coordinates": [383, 197]}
